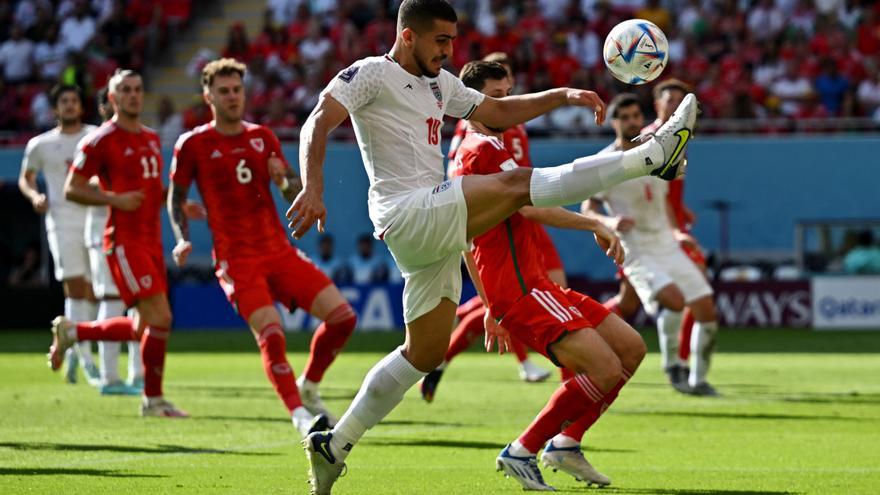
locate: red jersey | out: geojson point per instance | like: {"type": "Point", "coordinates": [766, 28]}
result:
{"type": "Point", "coordinates": [515, 139]}
{"type": "Point", "coordinates": [507, 256]}
{"type": "Point", "coordinates": [126, 161]}
{"type": "Point", "coordinates": [675, 195]}
{"type": "Point", "coordinates": [232, 174]}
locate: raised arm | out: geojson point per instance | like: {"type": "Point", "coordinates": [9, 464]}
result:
{"type": "Point", "coordinates": [512, 110]}
{"type": "Point", "coordinates": [308, 207]}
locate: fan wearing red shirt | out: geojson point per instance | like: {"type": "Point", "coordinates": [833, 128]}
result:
{"type": "Point", "coordinates": [523, 303]}
{"type": "Point", "coordinates": [126, 157]}
{"type": "Point", "coordinates": [233, 164]}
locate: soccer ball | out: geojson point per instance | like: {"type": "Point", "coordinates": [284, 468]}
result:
{"type": "Point", "coordinates": [636, 51]}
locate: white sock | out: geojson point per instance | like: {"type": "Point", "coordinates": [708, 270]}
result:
{"type": "Point", "coordinates": [79, 310]}
{"type": "Point", "coordinates": [702, 345]}
{"type": "Point", "coordinates": [574, 182]}
{"type": "Point", "coordinates": [302, 420]}
{"type": "Point", "coordinates": [564, 441]}
{"type": "Point", "coordinates": [383, 388]}
{"type": "Point", "coordinates": [135, 366]}
{"type": "Point", "coordinates": [668, 326]}
{"type": "Point", "coordinates": [305, 384]}
{"type": "Point", "coordinates": [109, 351]}
{"type": "Point", "coordinates": [518, 450]}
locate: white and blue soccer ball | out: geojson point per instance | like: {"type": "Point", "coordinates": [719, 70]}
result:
{"type": "Point", "coordinates": [636, 51]}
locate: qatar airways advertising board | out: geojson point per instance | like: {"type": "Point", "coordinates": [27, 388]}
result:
{"type": "Point", "coordinates": [846, 302]}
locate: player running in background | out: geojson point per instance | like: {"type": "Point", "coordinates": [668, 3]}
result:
{"type": "Point", "coordinates": [52, 153]}
{"type": "Point", "coordinates": [508, 269]}
{"type": "Point", "coordinates": [397, 103]}
{"type": "Point", "coordinates": [126, 157]}
{"type": "Point", "coordinates": [233, 163]}
{"type": "Point", "coordinates": [470, 314]}
{"type": "Point", "coordinates": [659, 271]}
{"type": "Point", "coordinates": [675, 347]}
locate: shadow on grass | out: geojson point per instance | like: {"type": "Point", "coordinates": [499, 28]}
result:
{"type": "Point", "coordinates": [460, 444]}
{"type": "Point", "coordinates": [409, 422]}
{"type": "Point", "coordinates": [255, 391]}
{"type": "Point", "coordinates": [106, 473]}
{"type": "Point", "coordinates": [733, 415]}
{"type": "Point", "coordinates": [249, 419]}
{"type": "Point", "coordinates": [824, 398]}
{"type": "Point", "coordinates": [159, 449]}
{"type": "Point", "coordinates": [696, 491]}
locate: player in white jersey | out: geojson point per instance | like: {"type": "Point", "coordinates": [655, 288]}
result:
{"type": "Point", "coordinates": [52, 153]}
{"type": "Point", "coordinates": [397, 103]}
{"type": "Point", "coordinates": [661, 273]}
{"type": "Point", "coordinates": [109, 302]}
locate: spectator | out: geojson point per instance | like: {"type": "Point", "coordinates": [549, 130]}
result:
{"type": "Point", "coordinates": [39, 29]}
{"type": "Point", "coordinates": [864, 258]}
{"type": "Point", "coordinates": [283, 10]}
{"type": "Point", "coordinates": [17, 57]}
{"type": "Point", "coordinates": [765, 20]}
{"type": "Point", "coordinates": [366, 266]}
{"type": "Point", "coordinates": [803, 17]}
{"type": "Point", "coordinates": [282, 123]}
{"type": "Point", "coordinates": [306, 96]}
{"type": "Point", "coordinates": [327, 261]}
{"type": "Point", "coordinates": [116, 35]}
{"type": "Point", "coordinates": [583, 44]}
{"type": "Point", "coordinates": [78, 29]}
{"type": "Point", "coordinates": [561, 65]}
{"type": "Point", "coordinates": [50, 56]}
{"type": "Point", "coordinates": [170, 122]}
{"type": "Point", "coordinates": [315, 48]}
{"type": "Point", "coordinates": [237, 44]}
{"type": "Point", "coordinates": [197, 114]}
{"type": "Point", "coordinates": [792, 89]}
{"type": "Point", "coordinates": [868, 94]}
{"type": "Point", "coordinates": [655, 13]}
{"type": "Point", "coordinates": [42, 113]}
{"type": "Point", "coordinates": [831, 87]}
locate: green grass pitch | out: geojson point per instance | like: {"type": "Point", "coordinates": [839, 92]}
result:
{"type": "Point", "coordinates": [800, 414]}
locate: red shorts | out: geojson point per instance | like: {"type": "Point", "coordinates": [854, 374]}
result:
{"type": "Point", "coordinates": [552, 261]}
{"type": "Point", "coordinates": [548, 313]}
{"type": "Point", "coordinates": [288, 277]}
{"type": "Point", "coordinates": [695, 254]}
{"type": "Point", "coordinates": [138, 273]}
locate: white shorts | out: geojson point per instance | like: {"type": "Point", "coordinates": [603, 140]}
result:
{"type": "Point", "coordinates": [68, 248]}
{"type": "Point", "coordinates": [652, 269]}
{"type": "Point", "coordinates": [426, 240]}
{"type": "Point", "coordinates": [103, 285]}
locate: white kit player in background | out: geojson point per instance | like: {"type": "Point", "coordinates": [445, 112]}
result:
{"type": "Point", "coordinates": [110, 304]}
{"type": "Point", "coordinates": [397, 103]}
{"type": "Point", "coordinates": [52, 153]}
{"type": "Point", "coordinates": [664, 277]}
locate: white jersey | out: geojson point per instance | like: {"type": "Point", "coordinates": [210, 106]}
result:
{"type": "Point", "coordinates": [397, 118]}
{"type": "Point", "coordinates": [644, 200]}
{"type": "Point", "coordinates": [52, 153]}
{"type": "Point", "coordinates": [96, 223]}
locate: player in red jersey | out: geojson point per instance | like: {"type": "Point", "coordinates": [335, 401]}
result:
{"type": "Point", "coordinates": [233, 164]}
{"type": "Point", "coordinates": [126, 157]}
{"type": "Point", "coordinates": [667, 96]}
{"type": "Point", "coordinates": [569, 328]}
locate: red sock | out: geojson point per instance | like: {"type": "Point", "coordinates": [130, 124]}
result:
{"type": "Point", "coordinates": [577, 429]}
{"type": "Point", "coordinates": [115, 329]}
{"type": "Point", "coordinates": [329, 339]}
{"type": "Point", "coordinates": [273, 350]}
{"type": "Point", "coordinates": [520, 350]}
{"type": "Point", "coordinates": [570, 401]}
{"type": "Point", "coordinates": [153, 345]}
{"type": "Point", "coordinates": [469, 329]}
{"type": "Point", "coordinates": [611, 305]}
{"type": "Point", "coordinates": [684, 334]}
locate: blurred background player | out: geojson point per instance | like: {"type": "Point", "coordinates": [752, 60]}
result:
{"type": "Point", "coordinates": [126, 157]}
{"type": "Point", "coordinates": [232, 163]}
{"type": "Point", "coordinates": [110, 305]}
{"type": "Point", "coordinates": [52, 153]}
{"type": "Point", "coordinates": [656, 267]}
{"type": "Point", "coordinates": [470, 314]}
{"type": "Point", "coordinates": [569, 328]}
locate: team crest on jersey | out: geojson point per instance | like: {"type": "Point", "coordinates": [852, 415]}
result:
{"type": "Point", "coordinates": [348, 74]}
{"type": "Point", "coordinates": [128, 152]}
{"type": "Point", "coordinates": [442, 187]}
{"type": "Point", "coordinates": [147, 281]}
{"type": "Point", "coordinates": [258, 145]}
{"type": "Point", "coordinates": [437, 94]}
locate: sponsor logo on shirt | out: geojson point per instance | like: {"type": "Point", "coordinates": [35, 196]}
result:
{"type": "Point", "coordinates": [258, 145]}
{"type": "Point", "coordinates": [348, 74]}
{"type": "Point", "coordinates": [216, 154]}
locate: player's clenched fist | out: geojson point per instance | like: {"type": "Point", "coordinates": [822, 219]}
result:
{"type": "Point", "coordinates": [127, 201]}
{"type": "Point", "coordinates": [306, 209]}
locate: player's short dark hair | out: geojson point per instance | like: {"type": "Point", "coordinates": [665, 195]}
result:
{"type": "Point", "coordinates": [622, 100]}
{"type": "Point", "coordinates": [671, 85]}
{"type": "Point", "coordinates": [474, 74]}
{"type": "Point", "coordinates": [419, 15]}
{"type": "Point", "coordinates": [59, 89]}
{"type": "Point", "coordinates": [221, 67]}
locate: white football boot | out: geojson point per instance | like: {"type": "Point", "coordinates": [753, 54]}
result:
{"type": "Point", "coordinates": [571, 460]}
{"type": "Point", "coordinates": [523, 469]}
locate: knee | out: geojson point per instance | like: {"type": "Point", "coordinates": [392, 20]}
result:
{"type": "Point", "coordinates": [628, 306]}
{"type": "Point", "coordinates": [704, 309]}
{"type": "Point", "coordinates": [426, 359]}
{"type": "Point", "coordinates": [672, 299]}
{"type": "Point", "coordinates": [634, 354]}
{"type": "Point", "coordinates": [607, 376]}
{"type": "Point", "coordinates": [517, 182]}
{"type": "Point", "coordinates": [161, 318]}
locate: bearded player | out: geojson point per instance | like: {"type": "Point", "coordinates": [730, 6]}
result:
{"type": "Point", "coordinates": [233, 163]}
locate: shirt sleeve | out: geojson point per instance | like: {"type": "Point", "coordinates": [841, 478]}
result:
{"type": "Point", "coordinates": [32, 161]}
{"type": "Point", "coordinates": [182, 163]}
{"type": "Point", "coordinates": [358, 85]}
{"type": "Point", "coordinates": [88, 159]}
{"type": "Point", "coordinates": [462, 99]}
{"type": "Point", "coordinates": [492, 158]}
